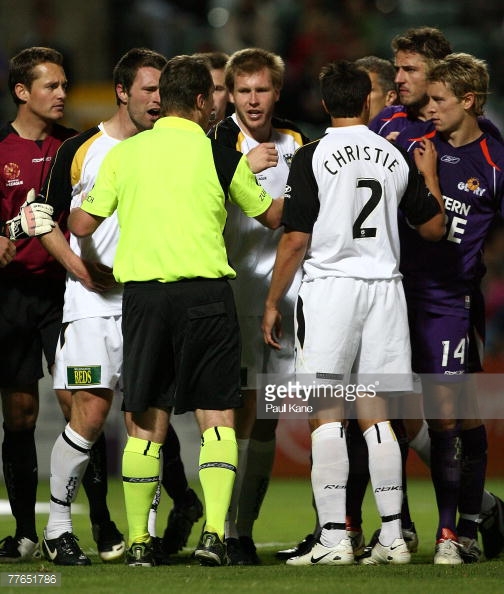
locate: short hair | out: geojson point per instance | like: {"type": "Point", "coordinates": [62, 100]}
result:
{"type": "Point", "coordinates": [253, 59]}
{"type": "Point", "coordinates": [384, 70]}
{"type": "Point", "coordinates": [22, 66]}
{"type": "Point", "coordinates": [344, 88]}
{"type": "Point", "coordinates": [426, 41]}
{"type": "Point", "coordinates": [182, 80]}
{"type": "Point", "coordinates": [465, 74]}
{"type": "Point", "coordinates": [216, 60]}
{"type": "Point", "coordinates": [129, 64]}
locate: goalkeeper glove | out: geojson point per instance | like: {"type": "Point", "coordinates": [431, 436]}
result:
{"type": "Point", "coordinates": [34, 218]}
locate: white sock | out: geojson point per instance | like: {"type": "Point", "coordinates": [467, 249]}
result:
{"type": "Point", "coordinates": [69, 460]}
{"type": "Point", "coordinates": [329, 475]}
{"type": "Point", "coordinates": [261, 455]}
{"type": "Point", "coordinates": [385, 470]}
{"type": "Point", "coordinates": [421, 444]}
{"type": "Point", "coordinates": [230, 529]}
{"type": "Point", "coordinates": [151, 523]}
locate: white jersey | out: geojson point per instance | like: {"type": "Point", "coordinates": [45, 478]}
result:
{"type": "Point", "coordinates": [251, 247]}
{"type": "Point", "coordinates": [345, 189]}
{"type": "Point", "coordinates": [80, 160]}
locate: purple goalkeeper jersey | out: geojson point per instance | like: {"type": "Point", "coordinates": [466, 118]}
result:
{"type": "Point", "coordinates": [442, 277]}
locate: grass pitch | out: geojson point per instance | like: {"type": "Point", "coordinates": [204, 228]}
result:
{"type": "Point", "coordinates": [286, 517]}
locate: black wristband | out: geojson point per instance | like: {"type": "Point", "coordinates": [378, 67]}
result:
{"type": "Point", "coordinates": [3, 229]}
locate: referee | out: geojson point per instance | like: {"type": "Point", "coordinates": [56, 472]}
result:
{"type": "Point", "coordinates": [169, 186]}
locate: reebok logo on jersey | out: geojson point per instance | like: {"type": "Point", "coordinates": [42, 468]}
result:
{"type": "Point", "coordinates": [84, 376]}
{"type": "Point", "coordinates": [450, 159]}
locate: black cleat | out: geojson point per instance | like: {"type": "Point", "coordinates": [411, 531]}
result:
{"type": "Point", "coordinates": [235, 552]}
{"type": "Point", "coordinates": [109, 541]}
{"type": "Point", "coordinates": [158, 552]}
{"type": "Point", "coordinates": [249, 551]}
{"type": "Point", "coordinates": [180, 522]}
{"type": "Point", "coordinates": [211, 550]}
{"type": "Point", "coordinates": [492, 529]}
{"type": "Point", "coordinates": [14, 550]}
{"type": "Point", "coordinates": [64, 550]}
{"type": "Point", "coordinates": [140, 554]}
{"type": "Point", "coordinates": [300, 549]}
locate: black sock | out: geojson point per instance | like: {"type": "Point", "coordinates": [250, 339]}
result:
{"type": "Point", "coordinates": [358, 475]}
{"type": "Point", "coordinates": [21, 478]}
{"type": "Point", "coordinates": [95, 482]}
{"type": "Point", "coordinates": [472, 480]}
{"type": "Point", "coordinates": [402, 440]}
{"type": "Point", "coordinates": [174, 479]}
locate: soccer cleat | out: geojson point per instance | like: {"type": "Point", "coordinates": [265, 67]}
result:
{"type": "Point", "coordinates": [492, 529]}
{"type": "Point", "coordinates": [249, 551]}
{"type": "Point", "coordinates": [235, 552]}
{"type": "Point", "coordinates": [447, 550]}
{"type": "Point", "coordinates": [469, 550]}
{"type": "Point", "coordinates": [300, 549]}
{"type": "Point", "coordinates": [14, 550]}
{"type": "Point", "coordinates": [109, 541]}
{"type": "Point", "coordinates": [395, 554]}
{"type": "Point", "coordinates": [180, 522]}
{"type": "Point", "coordinates": [140, 555]}
{"type": "Point", "coordinates": [64, 550]}
{"type": "Point", "coordinates": [158, 552]}
{"type": "Point", "coordinates": [358, 542]}
{"type": "Point", "coordinates": [340, 554]}
{"type": "Point", "coordinates": [211, 550]}
{"type": "Point", "coordinates": [411, 538]}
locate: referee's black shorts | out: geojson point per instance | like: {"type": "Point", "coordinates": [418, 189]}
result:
{"type": "Point", "coordinates": [181, 346]}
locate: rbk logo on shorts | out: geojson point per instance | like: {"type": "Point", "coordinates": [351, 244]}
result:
{"type": "Point", "coordinates": [84, 376]}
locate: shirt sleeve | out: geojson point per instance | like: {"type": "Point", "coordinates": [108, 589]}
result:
{"type": "Point", "coordinates": [302, 205]}
{"type": "Point", "coordinates": [245, 192]}
{"type": "Point", "coordinates": [418, 204]}
{"type": "Point", "coordinates": [102, 199]}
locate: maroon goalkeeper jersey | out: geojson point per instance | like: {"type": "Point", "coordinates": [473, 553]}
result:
{"type": "Point", "coordinates": [24, 164]}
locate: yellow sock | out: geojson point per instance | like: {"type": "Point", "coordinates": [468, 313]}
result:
{"type": "Point", "coordinates": [140, 470]}
{"type": "Point", "coordinates": [217, 470]}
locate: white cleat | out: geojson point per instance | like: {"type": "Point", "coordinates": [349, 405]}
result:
{"type": "Point", "coordinates": [340, 554]}
{"type": "Point", "coordinates": [395, 554]}
{"type": "Point", "coordinates": [447, 552]}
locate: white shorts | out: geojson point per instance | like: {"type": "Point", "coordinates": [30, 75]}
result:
{"type": "Point", "coordinates": [350, 326]}
{"type": "Point", "coordinates": [258, 358]}
{"type": "Point", "coordinates": [89, 354]}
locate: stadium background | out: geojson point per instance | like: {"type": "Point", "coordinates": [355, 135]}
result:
{"type": "Point", "coordinates": [92, 35]}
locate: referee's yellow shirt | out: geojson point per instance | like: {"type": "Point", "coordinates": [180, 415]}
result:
{"type": "Point", "coordinates": [169, 187]}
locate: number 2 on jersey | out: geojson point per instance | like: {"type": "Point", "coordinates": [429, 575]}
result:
{"type": "Point", "coordinates": [360, 232]}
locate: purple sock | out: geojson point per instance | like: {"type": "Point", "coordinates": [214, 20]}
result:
{"type": "Point", "coordinates": [445, 471]}
{"type": "Point", "coordinates": [472, 484]}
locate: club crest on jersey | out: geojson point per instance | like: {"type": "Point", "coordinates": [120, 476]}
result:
{"type": "Point", "coordinates": [288, 159]}
{"type": "Point", "coordinates": [472, 185]}
{"type": "Point", "coordinates": [11, 172]}
{"type": "Point", "coordinates": [84, 376]}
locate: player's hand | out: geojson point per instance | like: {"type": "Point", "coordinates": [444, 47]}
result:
{"type": "Point", "coordinates": [262, 157]}
{"type": "Point", "coordinates": [97, 277]}
{"type": "Point", "coordinates": [34, 218]}
{"type": "Point", "coordinates": [7, 251]}
{"type": "Point", "coordinates": [391, 136]}
{"type": "Point", "coordinates": [272, 327]}
{"type": "Point", "coordinates": [426, 158]}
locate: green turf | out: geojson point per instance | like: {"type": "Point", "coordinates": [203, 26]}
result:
{"type": "Point", "coordinates": [286, 517]}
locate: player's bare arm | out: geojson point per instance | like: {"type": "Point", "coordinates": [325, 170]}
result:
{"type": "Point", "coordinates": [7, 251]}
{"type": "Point", "coordinates": [426, 161]}
{"type": "Point", "coordinates": [81, 223]}
{"type": "Point", "coordinates": [93, 275]}
{"type": "Point", "coordinates": [290, 253]}
{"type": "Point", "coordinates": [263, 156]}
{"type": "Point", "coordinates": [272, 217]}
